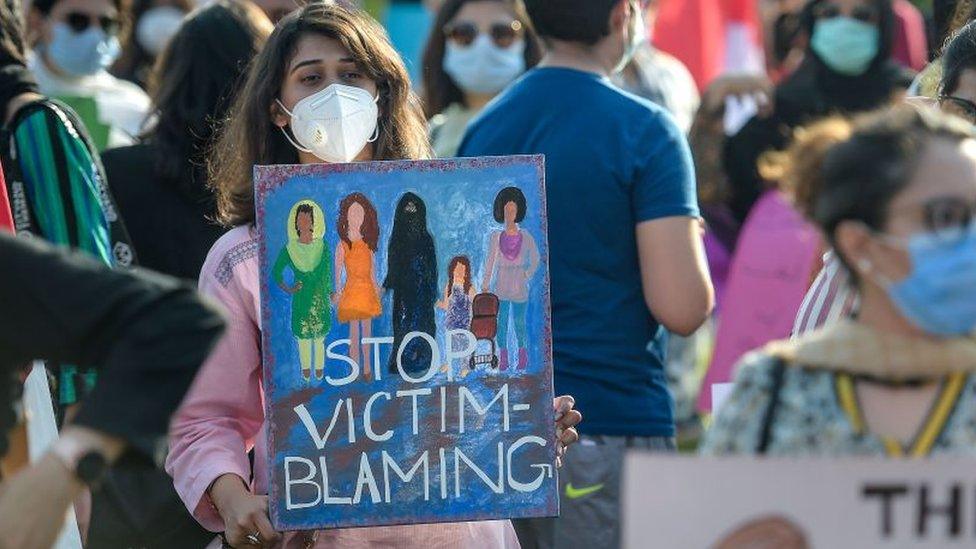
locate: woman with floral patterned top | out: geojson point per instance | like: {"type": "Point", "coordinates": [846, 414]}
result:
{"type": "Point", "coordinates": [895, 199]}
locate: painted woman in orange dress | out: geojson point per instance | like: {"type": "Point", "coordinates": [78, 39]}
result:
{"type": "Point", "coordinates": [357, 293]}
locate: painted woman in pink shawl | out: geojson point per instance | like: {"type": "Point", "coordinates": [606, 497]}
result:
{"type": "Point", "coordinates": [513, 258]}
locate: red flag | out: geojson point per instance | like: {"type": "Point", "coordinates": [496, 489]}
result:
{"type": "Point", "coordinates": [743, 37]}
{"type": "Point", "coordinates": [6, 220]}
{"type": "Point", "coordinates": [693, 31]}
{"type": "Point", "coordinates": [911, 46]}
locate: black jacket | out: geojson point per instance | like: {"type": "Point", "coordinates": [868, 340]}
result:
{"type": "Point", "coordinates": [146, 334]}
{"type": "Point", "coordinates": [171, 229]}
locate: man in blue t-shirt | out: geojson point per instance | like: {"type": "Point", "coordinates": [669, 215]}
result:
{"type": "Point", "coordinates": [627, 262]}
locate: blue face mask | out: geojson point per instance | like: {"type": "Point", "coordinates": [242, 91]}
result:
{"type": "Point", "coordinates": [846, 45]}
{"type": "Point", "coordinates": [82, 53]}
{"type": "Point", "coordinates": [937, 296]}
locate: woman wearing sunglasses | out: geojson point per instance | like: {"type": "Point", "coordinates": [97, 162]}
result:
{"type": "Point", "coordinates": [477, 48]}
{"type": "Point", "coordinates": [894, 194]}
{"type": "Point", "coordinates": [76, 42]}
{"type": "Point", "coordinates": [846, 69]}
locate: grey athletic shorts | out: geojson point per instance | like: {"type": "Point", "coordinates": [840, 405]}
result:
{"type": "Point", "coordinates": [589, 484]}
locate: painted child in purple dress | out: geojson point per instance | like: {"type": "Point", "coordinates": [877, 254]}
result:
{"type": "Point", "coordinates": [513, 259]}
{"type": "Point", "coordinates": [458, 295]}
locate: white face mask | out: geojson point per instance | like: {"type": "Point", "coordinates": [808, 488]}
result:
{"type": "Point", "coordinates": [334, 124]}
{"type": "Point", "coordinates": [483, 67]}
{"type": "Point", "coordinates": [157, 26]}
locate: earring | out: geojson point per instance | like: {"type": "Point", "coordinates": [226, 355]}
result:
{"type": "Point", "coordinates": [865, 265]}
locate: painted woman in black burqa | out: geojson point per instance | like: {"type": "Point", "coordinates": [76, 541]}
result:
{"type": "Point", "coordinates": [412, 276]}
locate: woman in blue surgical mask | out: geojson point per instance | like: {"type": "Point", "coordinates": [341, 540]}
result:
{"type": "Point", "coordinates": [895, 196]}
{"type": "Point", "coordinates": [477, 48]}
{"type": "Point", "coordinates": [76, 42]}
{"type": "Point", "coordinates": [847, 69]}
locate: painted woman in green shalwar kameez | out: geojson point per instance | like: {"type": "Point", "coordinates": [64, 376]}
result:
{"type": "Point", "coordinates": [311, 263]}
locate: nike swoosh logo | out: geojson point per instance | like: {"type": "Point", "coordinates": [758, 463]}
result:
{"type": "Point", "coordinates": [577, 493]}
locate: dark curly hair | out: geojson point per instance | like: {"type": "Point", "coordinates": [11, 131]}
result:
{"type": "Point", "coordinates": [506, 195]}
{"type": "Point", "coordinates": [305, 208]}
{"type": "Point", "coordinates": [249, 135]}
{"type": "Point", "coordinates": [834, 183]}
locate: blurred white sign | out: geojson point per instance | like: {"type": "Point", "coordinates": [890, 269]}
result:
{"type": "Point", "coordinates": [798, 503]}
{"type": "Point", "coordinates": [42, 432]}
{"type": "Point", "coordinates": [720, 393]}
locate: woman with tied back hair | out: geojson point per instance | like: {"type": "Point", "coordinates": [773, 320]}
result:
{"type": "Point", "coordinates": [895, 199]}
{"type": "Point", "coordinates": [324, 56]}
{"type": "Point", "coordinates": [161, 183]}
{"type": "Point", "coordinates": [75, 42]}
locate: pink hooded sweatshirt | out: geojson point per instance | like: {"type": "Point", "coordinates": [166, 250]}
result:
{"type": "Point", "coordinates": [222, 418]}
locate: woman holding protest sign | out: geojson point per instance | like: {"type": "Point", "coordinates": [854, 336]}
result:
{"type": "Point", "coordinates": [322, 57]}
{"type": "Point", "coordinates": [899, 379]}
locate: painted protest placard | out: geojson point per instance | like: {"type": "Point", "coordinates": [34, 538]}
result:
{"type": "Point", "coordinates": [770, 273]}
{"type": "Point", "coordinates": [808, 503]}
{"type": "Point", "coordinates": [407, 342]}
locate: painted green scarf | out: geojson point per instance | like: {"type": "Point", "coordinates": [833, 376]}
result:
{"type": "Point", "coordinates": [306, 257]}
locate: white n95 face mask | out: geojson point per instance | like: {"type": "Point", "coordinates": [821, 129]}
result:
{"type": "Point", "coordinates": [334, 124]}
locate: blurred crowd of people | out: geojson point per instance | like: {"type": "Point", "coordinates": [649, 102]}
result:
{"type": "Point", "coordinates": [131, 130]}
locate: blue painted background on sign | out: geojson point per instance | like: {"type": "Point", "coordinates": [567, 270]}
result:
{"type": "Point", "coordinates": [459, 197]}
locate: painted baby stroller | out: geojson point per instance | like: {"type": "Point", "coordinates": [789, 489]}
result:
{"type": "Point", "coordinates": [484, 326]}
